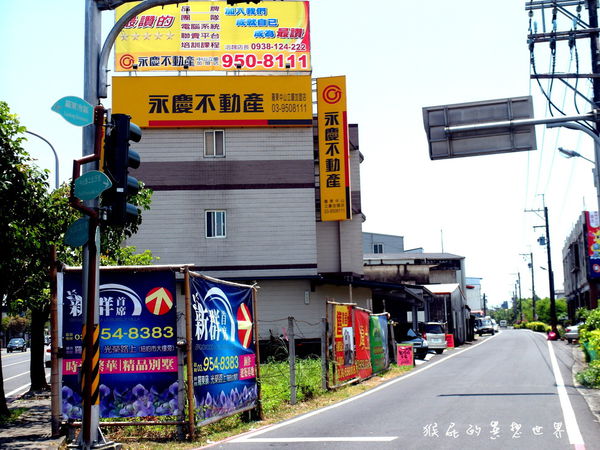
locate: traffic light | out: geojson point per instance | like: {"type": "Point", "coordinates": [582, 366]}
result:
{"type": "Point", "coordinates": [118, 159]}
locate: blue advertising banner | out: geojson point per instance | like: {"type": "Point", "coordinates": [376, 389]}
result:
{"type": "Point", "coordinates": [223, 348]}
{"type": "Point", "coordinates": [138, 334]}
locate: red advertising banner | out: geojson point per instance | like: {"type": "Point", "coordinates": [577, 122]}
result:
{"type": "Point", "coordinates": [345, 366]}
{"type": "Point", "coordinates": [593, 243]}
{"type": "Point", "coordinates": [361, 342]}
{"type": "Point", "coordinates": [404, 355]}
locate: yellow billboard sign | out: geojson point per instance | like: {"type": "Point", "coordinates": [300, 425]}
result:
{"type": "Point", "coordinates": [211, 35]}
{"type": "Point", "coordinates": [334, 155]}
{"type": "Point", "coordinates": [214, 101]}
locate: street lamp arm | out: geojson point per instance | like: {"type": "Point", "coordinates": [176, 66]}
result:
{"type": "Point", "coordinates": [56, 177]}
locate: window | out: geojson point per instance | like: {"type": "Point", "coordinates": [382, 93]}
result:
{"type": "Point", "coordinates": [378, 248]}
{"type": "Point", "coordinates": [215, 224]}
{"type": "Point", "coordinates": [214, 143]}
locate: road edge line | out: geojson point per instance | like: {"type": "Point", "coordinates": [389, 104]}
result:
{"type": "Point", "coordinates": [575, 437]}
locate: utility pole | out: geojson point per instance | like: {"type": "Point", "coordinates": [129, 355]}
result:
{"type": "Point", "coordinates": [520, 297]}
{"type": "Point", "coordinates": [484, 306]}
{"type": "Point", "coordinates": [553, 321]}
{"type": "Point", "coordinates": [530, 255]}
{"type": "Point", "coordinates": [579, 30]}
{"type": "Point", "coordinates": [546, 241]}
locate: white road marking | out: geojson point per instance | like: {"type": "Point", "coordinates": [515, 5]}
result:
{"type": "Point", "coordinates": [16, 364]}
{"type": "Point", "coordinates": [21, 388]}
{"type": "Point", "coordinates": [248, 437]}
{"type": "Point", "coordinates": [322, 439]}
{"type": "Point", "coordinates": [575, 437]}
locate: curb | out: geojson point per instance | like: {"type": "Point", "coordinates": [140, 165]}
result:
{"type": "Point", "coordinates": [591, 396]}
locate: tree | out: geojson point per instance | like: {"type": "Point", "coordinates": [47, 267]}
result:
{"type": "Point", "coordinates": [23, 196]}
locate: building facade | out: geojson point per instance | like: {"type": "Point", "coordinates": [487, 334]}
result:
{"type": "Point", "coordinates": [581, 264]}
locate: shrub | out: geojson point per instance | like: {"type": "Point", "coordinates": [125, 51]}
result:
{"type": "Point", "coordinates": [581, 314]}
{"type": "Point", "coordinates": [539, 326]}
{"type": "Point", "coordinates": [518, 325]}
{"type": "Point", "coordinates": [592, 323]}
{"type": "Point", "coordinates": [590, 377]}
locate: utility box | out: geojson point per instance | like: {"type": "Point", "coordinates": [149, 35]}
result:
{"type": "Point", "coordinates": [485, 128]}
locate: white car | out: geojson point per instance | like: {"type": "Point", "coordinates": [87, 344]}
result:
{"type": "Point", "coordinates": [495, 325]}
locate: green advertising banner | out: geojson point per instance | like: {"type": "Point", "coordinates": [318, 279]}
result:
{"type": "Point", "coordinates": [378, 341]}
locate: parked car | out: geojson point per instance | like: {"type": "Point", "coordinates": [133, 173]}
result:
{"type": "Point", "coordinates": [572, 332]}
{"type": "Point", "coordinates": [420, 345]}
{"type": "Point", "coordinates": [16, 344]}
{"type": "Point", "coordinates": [484, 326]}
{"type": "Point", "coordinates": [503, 324]}
{"type": "Point", "coordinates": [435, 333]}
{"type": "Point", "coordinates": [495, 325]}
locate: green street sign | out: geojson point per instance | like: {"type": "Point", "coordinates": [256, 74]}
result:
{"type": "Point", "coordinates": [91, 184]}
{"type": "Point", "coordinates": [78, 232]}
{"type": "Point", "coordinates": [75, 110]}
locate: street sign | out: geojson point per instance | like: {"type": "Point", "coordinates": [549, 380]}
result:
{"type": "Point", "coordinates": [78, 232]}
{"type": "Point", "coordinates": [479, 128]}
{"type": "Point", "coordinates": [91, 184]}
{"type": "Point", "coordinates": [75, 110]}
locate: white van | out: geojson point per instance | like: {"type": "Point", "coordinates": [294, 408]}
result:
{"type": "Point", "coordinates": [503, 323]}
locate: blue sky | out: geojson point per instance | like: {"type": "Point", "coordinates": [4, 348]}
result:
{"type": "Point", "coordinates": [398, 57]}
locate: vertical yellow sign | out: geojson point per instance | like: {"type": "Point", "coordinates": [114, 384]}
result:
{"type": "Point", "coordinates": [334, 159]}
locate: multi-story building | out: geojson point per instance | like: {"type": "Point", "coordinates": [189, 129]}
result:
{"type": "Point", "coordinates": [240, 201]}
{"type": "Point", "coordinates": [581, 263]}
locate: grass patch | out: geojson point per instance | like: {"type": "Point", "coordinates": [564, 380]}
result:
{"type": "Point", "coordinates": [13, 417]}
{"type": "Point", "coordinates": [275, 392]}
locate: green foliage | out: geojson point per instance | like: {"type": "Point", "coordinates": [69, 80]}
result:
{"type": "Point", "coordinates": [581, 314]}
{"type": "Point", "coordinates": [538, 326]}
{"type": "Point", "coordinates": [499, 314]}
{"type": "Point", "coordinates": [23, 205]}
{"type": "Point", "coordinates": [590, 377]}
{"type": "Point", "coordinates": [15, 325]}
{"type": "Point", "coordinates": [275, 382]}
{"type": "Point", "coordinates": [592, 323]}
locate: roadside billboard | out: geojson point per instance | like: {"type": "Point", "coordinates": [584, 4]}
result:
{"type": "Point", "coordinates": [211, 35]}
{"type": "Point", "coordinates": [378, 340]}
{"type": "Point", "coordinates": [334, 153]}
{"type": "Point", "coordinates": [223, 348]}
{"type": "Point", "coordinates": [215, 101]}
{"type": "Point", "coordinates": [344, 362]}
{"type": "Point", "coordinates": [362, 344]}
{"type": "Point", "coordinates": [592, 222]}
{"type": "Point", "coordinates": [138, 333]}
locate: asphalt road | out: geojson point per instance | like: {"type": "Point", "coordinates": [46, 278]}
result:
{"type": "Point", "coordinates": [504, 392]}
{"type": "Point", "coordinates": [15, 372]}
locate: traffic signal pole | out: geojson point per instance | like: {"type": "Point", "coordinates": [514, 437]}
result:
{"type": "Point", "coordinates": [88, 436]}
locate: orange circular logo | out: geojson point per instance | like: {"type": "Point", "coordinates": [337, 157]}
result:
{"type": "Point", "coordinates": [332, 94]}
{"type": "Point", "coordinates": [126, 61]}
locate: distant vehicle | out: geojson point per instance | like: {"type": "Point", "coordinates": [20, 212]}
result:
{"type": "Point", "coordinates": [484, 326]}
{"type": "Point", "coordinates": [16, 344]}
{"type": "Point", "coordinates": [495, 325]}
{"type": "Point", "coordinates": [435, 333]}
{"type": "Point", "coordinates": [503, 324]}
{"type": "Point", "coordinates": [420, 345]}
{"type": "Point", "coordinates": [572, 332]}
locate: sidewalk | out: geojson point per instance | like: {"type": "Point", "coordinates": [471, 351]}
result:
{"type": "Point", "coordinates": [33, 430]}
{"type": "Point", "coordinates": [591, 396]}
